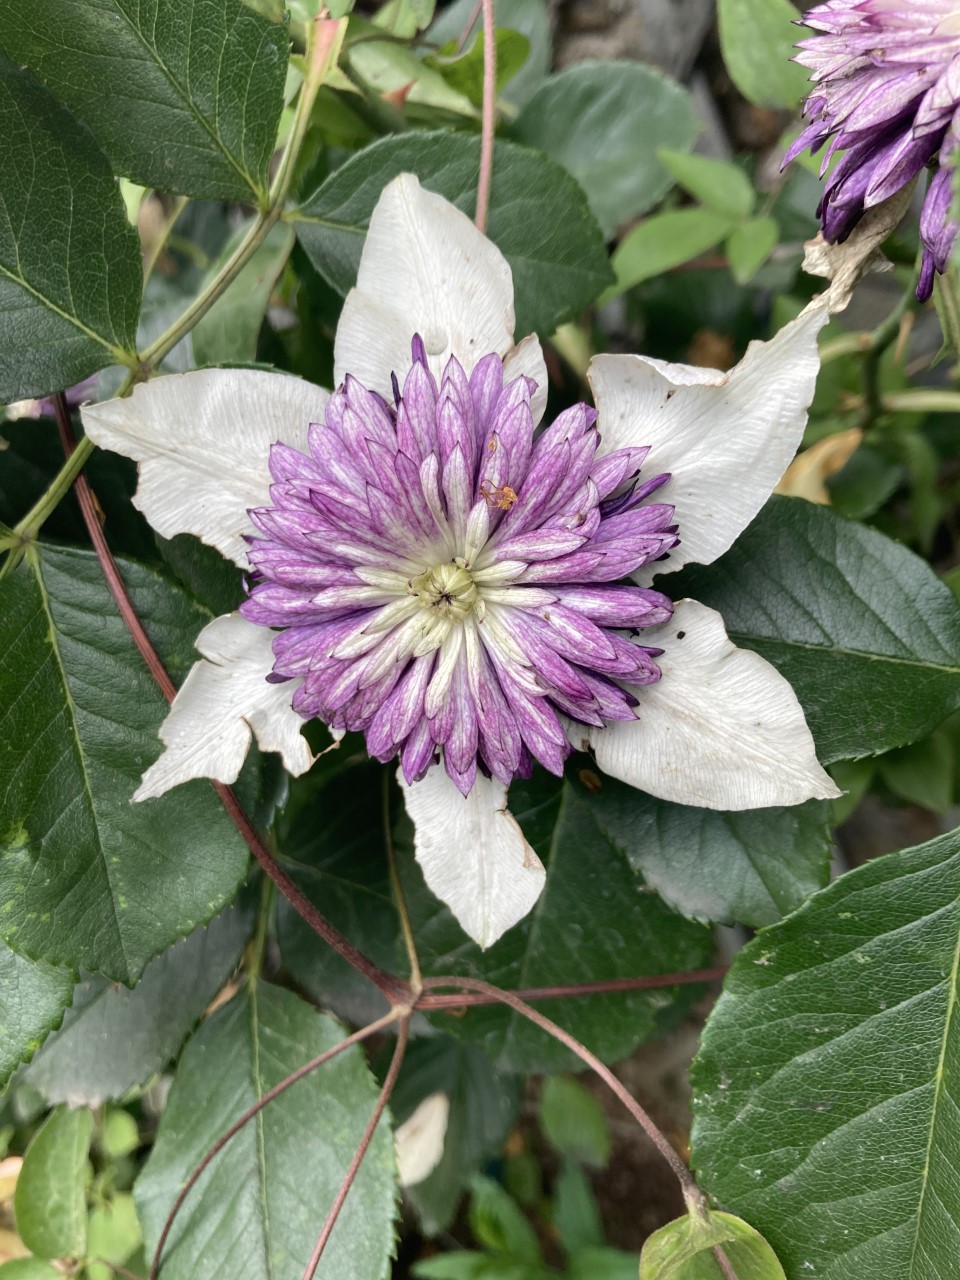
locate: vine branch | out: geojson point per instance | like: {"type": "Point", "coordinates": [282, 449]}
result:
{"type": "Point", "coordinates": [354, 1168]}
{"type": "Point", "coordinates": [392, 987]}
{"type": "Point", "coordinates": [693, 1196]}
{"type": "Point", "coordinates": [488, 116]}
{"type": "Point", "coordinates": [295, 1076]}
{"type": "Point", "coordinates": [610, 986]}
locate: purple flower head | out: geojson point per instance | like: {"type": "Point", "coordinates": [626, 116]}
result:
{"type": "Point", "coordinates": [448, 583]}
{"type": "Point", "coordinates": [887, 77]}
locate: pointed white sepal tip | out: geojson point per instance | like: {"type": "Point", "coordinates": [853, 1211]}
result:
{"type": "Point", "coordinates": [473, 854]}
{"type": "Point", "coordinates": [425, 268]}
{"type": "Point", "coordinates": [202, 440]}
{"type": "Point", "coordinates": [419, 1140]}
{"type": "Point", "coordinates": [721, 730]}
{"type": "Point", "coordinates": [725, 439]}
{"type": "Point", "coordinates": [225, 700]}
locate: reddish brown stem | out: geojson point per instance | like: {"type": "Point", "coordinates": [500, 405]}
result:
{"type": "Point", "coordinates": [248, 1115]}
{"type": "Point", "coordinates": [395, 989]}
{"type": "Point", "coordinates": [361, 1151]}
{"type": "Point", "coordinates": [488, 114]}
{"type": "Point", "coordinates": [724, 1263]}
{"type": "Point", "coordinates": [691, 1192]}
{"type": "Point", "coordinates": [609, 987]}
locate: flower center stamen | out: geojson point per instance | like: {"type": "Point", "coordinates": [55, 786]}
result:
{"type": "Point", "coordinates": [448, 589]}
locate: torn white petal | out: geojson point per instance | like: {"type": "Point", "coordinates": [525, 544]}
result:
{"type": "Point", "coordinates": [419, 1140]}
{"type": "Point", "coordinates": [473, 854]}
{"type": "Point", "coordinates": [844, 265]}
{"type": "Point", "coordinates": [722, 729]}
{"type": "Point", "coordinates": [425, 269]}
{"type": "Point", "coordinates": [207, 732]}
{"type": "Point", "coordinates": [203, 443]}
{"type": "Point", "coordinates": [724, 438]}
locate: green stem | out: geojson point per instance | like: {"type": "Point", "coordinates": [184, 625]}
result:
{"type": "Point", "coordinates": [257, 947]}
{"type": "Point", "coordinates": [163, 237]}
{"type": "Point", "coordinates": [324, 41]}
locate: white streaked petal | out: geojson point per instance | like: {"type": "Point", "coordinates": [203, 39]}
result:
{"type": "Point", "coordinates": [419, 1140]}
{"type": "Point", "coordinates": [725, 438]}
{"type": "Point", "coordinates": [224, 698]}
{"type": "Point", "coordinates": [527, 358]}
{"type": "Point", "coordinates": [473, 854]}
{"type": "Point", "coordinates": [722, 729]}
{"type": "Point", "coordinates": [425, 269]}
{"type": "Point", "coordinates": [203, 442]}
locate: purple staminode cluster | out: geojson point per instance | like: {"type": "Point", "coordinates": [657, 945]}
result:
{"type": "Point", "coordinates": [448, 583]}
{"type": "Point", "coordinates": [887, 77]}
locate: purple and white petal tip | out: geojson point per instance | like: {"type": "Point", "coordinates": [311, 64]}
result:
{"type": "Point", "coordinates": [886, 94]}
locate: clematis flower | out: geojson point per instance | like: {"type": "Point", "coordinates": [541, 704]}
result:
{"type": "Point", "coordinates": [471, 595]}
{"type": "Point", "coordinates": [887, 77]}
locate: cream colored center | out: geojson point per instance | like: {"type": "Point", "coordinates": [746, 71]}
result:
{"type": "Point", "coordinates": [448, 590]}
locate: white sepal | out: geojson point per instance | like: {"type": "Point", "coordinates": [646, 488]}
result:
{"type": "Point", "coordinates": [722, 729]}
{"type": "Point", "coordinates": [724, 438]}
{"type": "Point", "coordinates": [419, 1140]}
{"type": "Point", "coordinates": [224, 700]}
{"type": "Point", "coordinates": [203, 443]}
{"type": "Point", "coordinates": [473, 854]}
{"type": "Point", "coordinates": [425, 268]}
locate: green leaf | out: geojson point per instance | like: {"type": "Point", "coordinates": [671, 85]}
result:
{"type": "Point", "coordinates": [33, 997]}
{"type": "Point", "coordinates": [826, 1095]}
{"type": "Point", "coordinates": [757, 38]}
{"type": "Point", "coordinates": [69, 261]}
{"type": "Point", "coordinates": [119, 1134]}
{"type": "Point", "coordinates": [269, 1190]}
{"type": "Point", "coordinates": [483, 1106]}
{"type": "Point", "coordinates": [499, 1223]}
{"type": "Point", "coordinates": [717, 184]}
{"type": "Point", "coordinates": [751, 867]}
{"type": "Point", "coordinates": [113, 1039]}
{"type": "Point", "coordinates": [922, 772]}
{"type": "Point", "coordinates": [50, 1200]}
{"type": "Point", "coordinates": [605, 123]}
{"type": "Point", "coordinates": [559, 264]}
{"type": "Point", "coordinates": [228, 333]}
{"type": "Point", "coordinates": [463, 70]}
{"type": "Point", "coordinates": [664, 241]}
{"type": "Point", "coordinates": [32, 456]}
{"type": "Point", "coordinates": [86, 878]}
{"type": "Point", "coordinates": [861, 627]}
{"type": "Point", "coordinates": [750, 246]}
{"type": "Point", "coordinates": [576, 1217]}
{"type": "Point", "coordinates": [183, 95]}
{"type": "Point", "coordinates": [574, 1122]}
{"type": "Point", "coordinates": [29, 1269]}
{"type": "Point", "coordinates": [602, 1264]}
{"type": "Point", "coordinates": [529, 17]}
{"type": "Point", "coordinates": [589, 924]}
{"type": "Point", "coordinates": [683, 1250]}
{"type": "Point", "coordinates": [113, 1233]}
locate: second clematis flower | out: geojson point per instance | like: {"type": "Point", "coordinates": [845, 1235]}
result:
{"type": "Point", "coordinates": [471, 593]}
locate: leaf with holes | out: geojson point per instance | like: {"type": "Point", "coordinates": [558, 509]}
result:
{"type": "Point", "coordinates": [184, 95]}
{"type": "Point", "coordinates": [69, 261]}
{"type": "Point", "coordinates": [258, 1210]}
{"type": "Point", "coordinates": [827, 1109]}
{"type": "Point", "coordinates": [862, 628]}
{"type": "Point", "coordinates": [33, 997]}
{"type": "Point", "coordinates": [86, 878]}
{"type": "Point", "coordinates": [558, 261]}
